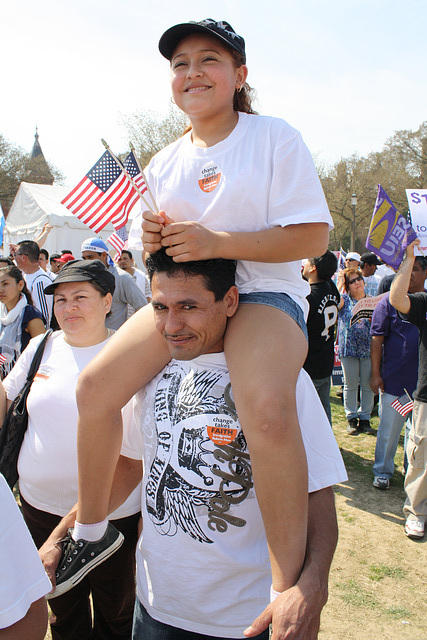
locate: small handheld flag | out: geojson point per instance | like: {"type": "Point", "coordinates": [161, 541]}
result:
{"type": "Point", "coordinates": [403, 405]}
{"type": "Point", "coordinates": [119, 239]}
{"type": "Point", "coordinates": [101, 196]}
{"type": "Point", "coordinates": [389, 233]}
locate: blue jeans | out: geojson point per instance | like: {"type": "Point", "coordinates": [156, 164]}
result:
{"type": "Point", "coordinates": [389, 428]}
{"type": "Point", "coordinates": [357, 371]}
{"type": "Point", "coordinates": [146, 628]}
{"type": "Point", "coordinates": [323, 388]}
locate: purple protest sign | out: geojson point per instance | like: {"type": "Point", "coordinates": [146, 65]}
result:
{"type": "Point", "coordinates": [389, 233]}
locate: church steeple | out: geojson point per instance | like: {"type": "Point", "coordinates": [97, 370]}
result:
{"type": "Point", "coordinates": [39, 171]}
{"type": "Point", "coordinates": [36, 150]}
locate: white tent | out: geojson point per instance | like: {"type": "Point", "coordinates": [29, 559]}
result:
{"type": "Point", "coordinates": [36, 204]}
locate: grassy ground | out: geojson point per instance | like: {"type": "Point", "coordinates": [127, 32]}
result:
{"type": "Point", "coordinates": [378, 582]}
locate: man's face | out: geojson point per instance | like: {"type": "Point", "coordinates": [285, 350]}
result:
{"type": "Point", "coordinates": [55, 266]}
{"type": "Point", "coordinates": [369, 270]}
{"type": "Point", "coordinates": [20, 259]}
{"type": "Point", "coordinates": [93, 255]}
{"type": "Point", "coordinates": [188, 317]}
{"type": "Point", "coordinates": [43, 261]}
{"type": "Point", "coordinates": [418, 276]}
{"type": "Point", "coordinates": [352, 264]}
{"type": "Point", "coordinates": [125, 262]}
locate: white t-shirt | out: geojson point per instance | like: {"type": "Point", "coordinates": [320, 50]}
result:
{"type": "Point", "coordinates": [202, 559]}
{"type": "Point", "coordinates": [47, 464]}
{"type": "Point", "coordinates": [36, 283]}
{"type": "Point", "coordinates": [261, 176]}
{"type": "Point", "coordinates": [22, 577]}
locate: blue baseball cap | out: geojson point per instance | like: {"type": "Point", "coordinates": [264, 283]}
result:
{"type": "Point", "coordinates": [98, 246]}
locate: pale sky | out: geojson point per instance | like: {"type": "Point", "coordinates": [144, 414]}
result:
{"type": "Point", "coordinates": [346, 73]}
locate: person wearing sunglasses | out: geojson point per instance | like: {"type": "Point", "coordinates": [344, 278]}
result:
{"type": "Point", "coordinates": [354, 352]}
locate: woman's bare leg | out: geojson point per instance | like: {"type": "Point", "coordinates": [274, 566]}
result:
{"type": "Point", "coordinates": [265, 350]}
{"type": "Point", "coordinates": [131, 358]}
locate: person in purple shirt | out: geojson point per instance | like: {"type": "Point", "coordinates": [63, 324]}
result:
{"type": "Point", "coordinates": [394, 360]}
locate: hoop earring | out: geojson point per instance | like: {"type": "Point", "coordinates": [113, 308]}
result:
{"type": "Point", "coordinates": [239, 89]}
{"type": "Point", "coordinates": [172, 100]}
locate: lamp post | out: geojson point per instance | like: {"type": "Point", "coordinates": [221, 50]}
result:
{"type": "Point", "coordinates": [353, 201]}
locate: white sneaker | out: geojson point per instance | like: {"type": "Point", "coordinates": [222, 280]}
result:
{"type": "Point", "coordinates": [414, 528]}
{"type": "Point", "coordinates": [380, 482]}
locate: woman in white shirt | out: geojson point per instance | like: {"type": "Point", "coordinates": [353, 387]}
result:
{"type": "Point", "coordinates": [47, 462]}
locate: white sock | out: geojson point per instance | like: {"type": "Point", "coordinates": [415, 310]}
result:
{"type": "Point", "coordinates": [89, 532]}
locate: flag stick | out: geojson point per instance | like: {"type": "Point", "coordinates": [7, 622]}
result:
{"type": "Point", "coordinates": [127, 175]}
{"type": "Point", "coordinates": [132, 148]}
{"type": "Point", "coordinates": [407, 394]}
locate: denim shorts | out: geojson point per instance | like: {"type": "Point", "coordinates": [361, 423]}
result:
{"type": "Point", "coordinates": [279, 300]}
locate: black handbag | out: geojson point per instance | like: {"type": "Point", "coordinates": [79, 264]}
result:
{"type": "Point", "coordinates": [16, 421]}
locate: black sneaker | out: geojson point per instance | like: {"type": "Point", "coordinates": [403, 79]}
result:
{"type": "Point", "coordinates": [365, 427]}
{"type": "Point", "coordinates": [352, 428]}
{"type": "Point", "coordinates": [78, 558]}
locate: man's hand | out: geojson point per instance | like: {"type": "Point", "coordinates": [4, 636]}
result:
{"type": "Point", "coordinates": [190, 241]}
{"type": "Point", "coordinates": [294, 616]}
{"type": "Point", "coordinates": [377, 384]}
{"type": "Point", "coordinates": [152, 226]}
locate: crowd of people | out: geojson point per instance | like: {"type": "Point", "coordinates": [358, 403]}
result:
{"type": "Point", "coordinates": [186, 411]}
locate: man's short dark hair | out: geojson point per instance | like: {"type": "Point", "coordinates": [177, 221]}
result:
{"type": "Point", "coordinates": [218, 274]}
{"type": "Point", "coordinates": [54, 256]}
{"type": "Point", "coordinates": [66, 251]}
{"type": "Point", "coordinates": [30, 249]}
{"type": "Point", "coordinates": [423, 262]}
{"type": "Point", "coordinates": [326, 265]}
{"type": "Point", "coordinates": [129, 253]}
{"type": "Point", "coordinates": [45, 252]}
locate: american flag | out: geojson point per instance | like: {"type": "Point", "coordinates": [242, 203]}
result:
{"type": "Point", "coordinates": [403, 405]}
{"type": "Point", "coordinates": [341, 259]}
{"type": "Point", "coordinates": [2, 359]}
{"type": "Point", "coordinates": [131, 166]}
{"type": "Point", "coordinates": [119, 239]}
{"type": "Point", "coordinates": [102, 196]}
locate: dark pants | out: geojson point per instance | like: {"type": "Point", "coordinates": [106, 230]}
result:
{"type": "Point", "coordinates": [111, 585]}
{"type": "Point", "coordinates": [146, 628]}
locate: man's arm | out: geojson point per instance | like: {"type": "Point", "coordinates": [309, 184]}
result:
{"type": "Point", "coordinates": [41, 239]}
{"type": "Point", "coordinates": [132, 294]}
{"type": "Point", "coordinates": [297, 611]}
{"type": "Point", "coordinates": [126, 478]}
{"type": "Point", "coordinates": [376, 356]}
{"type": "Point", "coordinates": [399, 287]}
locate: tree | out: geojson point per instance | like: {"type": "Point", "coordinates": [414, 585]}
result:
{"type": "Point", "coordinates": [402, 164]}
{"type": "Point", "coordinates": [150, 132]}
{"type": "Point", "coordinates": [17, 166]}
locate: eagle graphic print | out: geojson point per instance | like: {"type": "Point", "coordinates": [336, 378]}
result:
{"type": "Point", "coordinates": [201, 471]}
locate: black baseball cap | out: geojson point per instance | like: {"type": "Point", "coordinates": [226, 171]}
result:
{"type": "Point", "coordinates": [369, 258]}
{"type": "Point", "coordinates": [222, 30]}
{"type": "Point", "coordinates": [84, 271]}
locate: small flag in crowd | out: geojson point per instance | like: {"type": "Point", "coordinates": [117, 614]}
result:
{"type": "Point", "coordinates": [102, 195]}
{"type": "Point", "coordinates": [119, 239]}
{"type": "Point", "coordinates": [2, 225]}
{"type": "Point", "coordinates": [132, 167]}
{"type": "Point", "coordinates": [3, 359]}
{"type": "Point", "coordinates": [389, 233]}
{"type": "Point", "coordinates": [341, 260]}
{"type": "Point", "coordinates": [403, 405]}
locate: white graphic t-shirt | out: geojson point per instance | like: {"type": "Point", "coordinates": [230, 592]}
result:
{"type": "Point", "coordinates": [202, 559]}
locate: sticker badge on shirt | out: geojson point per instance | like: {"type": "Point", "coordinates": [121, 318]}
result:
{"type": "Point", "coordinates": [223, 431]}
{"type": "Point", "coordinates": [43, 373]}
{"type": "Point", "coordinates": [210, 176]}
